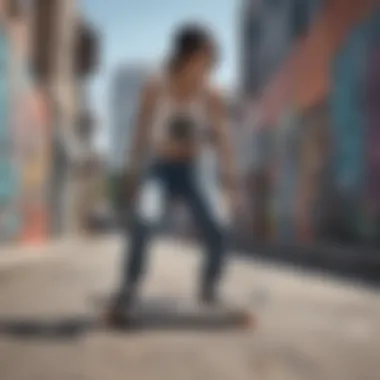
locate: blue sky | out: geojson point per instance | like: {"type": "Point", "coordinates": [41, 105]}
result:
{"type": "Point", "coordinates": [139, 30]}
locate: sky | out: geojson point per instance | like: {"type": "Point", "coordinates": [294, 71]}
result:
{"type": "Point", "coordinates": [139, 31]}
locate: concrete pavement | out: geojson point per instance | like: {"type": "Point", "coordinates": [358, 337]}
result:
{"type": "Point", "coordinates": [309, 327]}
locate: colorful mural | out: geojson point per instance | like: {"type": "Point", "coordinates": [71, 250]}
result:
{"type": "Point", "coordinates": [9, 211]}
{"type": "Point", "coordinates": [372, 101]}
{"type": "Point", "coordinates": [34, 165]}
{"type": "Point", "coordinates": [24, 143]}
{"type": "Point", "coordinates": [322, 108]}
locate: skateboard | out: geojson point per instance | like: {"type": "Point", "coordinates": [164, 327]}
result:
{"type": "Point", "coordinates": [176, 314]}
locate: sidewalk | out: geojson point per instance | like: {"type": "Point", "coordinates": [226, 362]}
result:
{"type": "Point", "coordinates": [310, 327]}
{"type": "Point", "coordinates": [13, 255]}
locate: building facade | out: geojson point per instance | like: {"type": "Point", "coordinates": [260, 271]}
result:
{"type": "Point", "coordinates": [317, 112]}
{"type": "Point", "coordinates": [61, 66]}
{"type": "Point", "coordinates": [125, 93]}
{"type": "Point", "coordinates": [39, 50]}
{"type": "Point", "coordinates": [269, 30]}
{"type": "Point", "coordinates": [24, 132]}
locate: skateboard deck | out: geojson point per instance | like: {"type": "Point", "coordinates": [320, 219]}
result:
{"type": "Point", "coordinates": [177, 314]}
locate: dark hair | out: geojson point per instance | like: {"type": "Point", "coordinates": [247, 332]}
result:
{"type": "Point", "coordinates": [189, 40]}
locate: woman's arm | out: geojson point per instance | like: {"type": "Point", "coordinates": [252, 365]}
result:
{"type": "Point", "coordinates": [219, 124]}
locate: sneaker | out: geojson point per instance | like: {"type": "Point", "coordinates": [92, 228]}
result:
{"type": "Point", "coordinates": [116, 313]}
{"type": "Point", "coordinates": [114, 316]}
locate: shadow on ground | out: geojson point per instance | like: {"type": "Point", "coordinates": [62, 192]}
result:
{"type": "Point", "coordinates": [147, 316]}
{"type": "Point", "coordinates": [25, 328]}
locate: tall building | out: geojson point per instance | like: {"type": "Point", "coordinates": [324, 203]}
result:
{"type": "Point", "coordinates": [314, 176]}
{"type": "Point", "coordinates": [250, 44]}
{"type": "Point", "coordinates": [47, 51]}
{"type": "Point", "coordinates": [269, 35]}
{"type": "Point", "coordinates": [126, 88]}
{"type": "Point", "coordinates": [65, 50]}
{"type": "Point", "coordinates": [269, 30]}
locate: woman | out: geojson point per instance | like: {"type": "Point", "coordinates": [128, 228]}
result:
{"type": "Point", "coordinates": [174, 112]}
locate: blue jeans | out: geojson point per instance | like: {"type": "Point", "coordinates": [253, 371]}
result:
{"type": "Point", "coordinates": [178, 181]}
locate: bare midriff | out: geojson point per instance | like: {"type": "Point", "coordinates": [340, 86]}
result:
{"type": "Point", "coordinates": [174, 151]}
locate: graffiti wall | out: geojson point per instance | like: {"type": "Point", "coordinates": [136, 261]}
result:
{"type": "Point", "coordinates": [321, 116]}
{"type": "Point", "coordinates": [34, 158]}
{"type": "Point", "coordinates": [24, 144]}
{"type": "Point", "coordinates": [9, 186]}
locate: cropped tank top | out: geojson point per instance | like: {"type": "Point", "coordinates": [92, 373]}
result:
{"type": "Point", "coordinates": [183, 123]}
